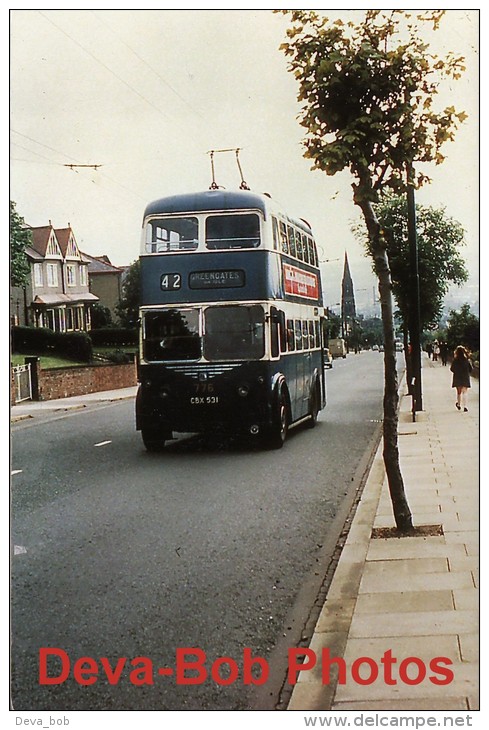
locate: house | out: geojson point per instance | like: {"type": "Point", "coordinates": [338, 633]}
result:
{"type": "Point", "coordinates": [105, 281]}
{"type": "Point", "coordinates": [57, 295]}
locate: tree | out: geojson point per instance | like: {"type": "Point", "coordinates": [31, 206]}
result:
{"type": "Point", "coordinates": [128, 307]}
{"type": "Point", "coordinates": [20, 237]}
{"type": "Point", "coordinates": [367, 92]}
{"type": "Point", "coordinates": [463, 329]}
{"type": "Point", "coordinates": [333, 326]}
{"type": "Point", "coordinates": [100, 316]}
{"type": "Point", "coordinates": [439, 259]}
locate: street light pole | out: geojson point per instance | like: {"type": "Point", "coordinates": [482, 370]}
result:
{"type": "Point", "coordinates": [414, 308]}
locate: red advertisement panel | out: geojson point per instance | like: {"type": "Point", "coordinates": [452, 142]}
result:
{"type": "Point", "coordinates": [300, 283]}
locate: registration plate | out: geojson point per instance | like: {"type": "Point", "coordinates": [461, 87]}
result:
{"type": "Point", "coordinates": [204, 400]}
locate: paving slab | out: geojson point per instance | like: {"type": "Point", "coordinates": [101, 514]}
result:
{"type": "Point", "coordinates": [416, 597]}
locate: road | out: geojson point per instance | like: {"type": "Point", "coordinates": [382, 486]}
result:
{"type": "Point", "coordinates": [125, 559]}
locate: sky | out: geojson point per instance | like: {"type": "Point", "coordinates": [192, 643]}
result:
{"type": "Point", "coordinates": [145, 95]}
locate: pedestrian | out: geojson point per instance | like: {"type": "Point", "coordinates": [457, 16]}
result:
{"type": "Point", "coordinates": [429, 350]}
{"type": "Point", "coordinates": [436, 350]}
{"type": "Point", "coordinates": [461, 368]}
{"type": "Point", "coordinates": [444, 352]}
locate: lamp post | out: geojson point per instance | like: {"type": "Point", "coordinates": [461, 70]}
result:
{"type": "Point", "coordinates": [414, 305]}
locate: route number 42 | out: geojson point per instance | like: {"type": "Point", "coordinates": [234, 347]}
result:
{"type": "Point", "coordinates": [170, 282]}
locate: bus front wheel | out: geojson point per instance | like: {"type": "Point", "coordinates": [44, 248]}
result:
{"type": "Point", "coordinates": [280, 427]}
{"type": "Point", "coordinates": [152, 439]}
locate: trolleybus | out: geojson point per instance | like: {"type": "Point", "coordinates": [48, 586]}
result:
{"type": "Point", "coordinates": [231, 331]}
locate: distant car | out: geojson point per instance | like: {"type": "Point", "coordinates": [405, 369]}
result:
{"type": "Point", "coordinates": [375, 348]}
{"type": "Point", "coordinates": [328, 358]}
{"type": "Point", "coordinates": [381, 348]}
{"type": "Point", "coordinates": [399, 347]}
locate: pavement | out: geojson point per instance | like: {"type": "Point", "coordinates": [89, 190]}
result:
{"type": "Point", "coordinates": [400, 623]}
{"type": "Point", "coordinates": [410, 599]}
{"type": "Point", "coordinates": [32, 409]}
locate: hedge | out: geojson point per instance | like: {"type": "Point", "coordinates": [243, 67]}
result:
{"type": "Point", "coordinates": [114, 337]}
{"type": "Point", "coordinates": [38, 340]}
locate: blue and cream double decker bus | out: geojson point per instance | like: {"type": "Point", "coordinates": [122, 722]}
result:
{"type": "Point", "coordinates": [230, 319]}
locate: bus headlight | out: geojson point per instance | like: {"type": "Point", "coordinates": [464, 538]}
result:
{"type": "Point", "coordinates": [243, 390]}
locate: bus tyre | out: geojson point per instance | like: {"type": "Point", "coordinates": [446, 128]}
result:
{"type": "Point", "coordinates": [278, 431]}
{"type": "Point", "coordinates": [152, 439]}
{"type": "Point", "coordinates": [313, 407]}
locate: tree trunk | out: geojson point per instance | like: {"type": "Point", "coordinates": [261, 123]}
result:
{"type": "Point", "coordinates": [402, 513]}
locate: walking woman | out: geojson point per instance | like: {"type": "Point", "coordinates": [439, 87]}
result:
{"type": "Point", "coordinates": [461, 368]}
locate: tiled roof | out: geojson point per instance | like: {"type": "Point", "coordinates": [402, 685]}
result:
{"type": "Point", "coordinates": [63, 236]}
{"type": "Point", "coordinates": [100, 265]}
{"type": "Point", "coordinates": [40, 238]}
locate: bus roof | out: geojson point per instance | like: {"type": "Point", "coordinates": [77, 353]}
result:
{"type": "Point", "coordinates": [215, 200]}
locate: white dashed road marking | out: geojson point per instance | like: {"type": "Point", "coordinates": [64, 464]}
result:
{"type": "Point", "coordinates": [103, 443]}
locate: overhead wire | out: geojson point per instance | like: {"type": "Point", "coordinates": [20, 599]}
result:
{"type": "Point", "coordinates": [61, 164]}
{"type": "Point", "coordinates": [118, 77]}
{"type": "Point", "coordinates": [101, 63]}
{"type": "Point", "coordinates": [148, 65]}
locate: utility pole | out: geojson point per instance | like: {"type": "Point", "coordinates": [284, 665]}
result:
{"type": "Point", "coordinates": [414, 304]}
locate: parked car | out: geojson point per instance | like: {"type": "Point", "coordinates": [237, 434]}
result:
{"type": "Point", "coordinates": [375, 348]}
{"type": "Point", "coordinates": [328, 358]}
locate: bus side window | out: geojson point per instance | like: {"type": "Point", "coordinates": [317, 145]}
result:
{"type": "Point", "coordinates": [292, 248]}
{"type": "Point", "coordinates": [305, 249]}
{"type": "Point", "coordinates": [305, 336]}
{"type": "Point", "coordinates": [283, 237]}
{"type": "Point", "coordinates": [290, 335]}
{"type": "Point", "coordinates": [298, 334]}
{"type": "Point", "coordinates": [312, 339]}
{"type": "Point", "coordinates": [298, 245]}
{"type": "Point", "coordinates": [310, 246]}
{"type": "Point", "coordinates": [276, 234]}
{"type": "Point", "coordinates": [317, 330]}
{"type": "Point", "coordinates": [277, 331]}
{"type": "Point", "coordinates": [274, 334]}
{"type": "Point", "coordinates": [315, 253]}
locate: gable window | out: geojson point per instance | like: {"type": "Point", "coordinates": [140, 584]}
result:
{"type": "Point", "coordinates": [38, 278]}
{"type": "Point", "coordinates": [52, 248]}
{"type": "Point", "coordinates": [52, 271]}
{"type": "Point", "coordinates": [72, 250]}
{"type": "Point", "coordinates": [70, 275]}
{"type": "Point", "coordinates": [83, 275]}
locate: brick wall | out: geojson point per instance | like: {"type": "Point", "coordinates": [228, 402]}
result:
{"type": "Point", "coordinates": [67, 382]}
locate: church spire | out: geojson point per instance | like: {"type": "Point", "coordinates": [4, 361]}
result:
{"type": "Point", "coordinates": [348, 309]}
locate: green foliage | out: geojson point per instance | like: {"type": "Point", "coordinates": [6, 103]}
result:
{"type": "Point", "coordinates": [128, 307]}
{"type": "Point", "coordinates": [38, 340]}
{"type": "Point", "coordinates": [100, 316]}
{"type": "Point", "coordinates": [440, 263]}
{"type": "Point", "coordinates": [372, 331]}
{"type": "Point", "coordinates": [333, 326]}
{"type": "Point", "coordinates": [367, 92]}
{"type": "Point", "coordinates": [463, 328]}
{"type": "Point", "coordinates": [114, 337]}
{"type": "Point", "coordinates": [20, 237]}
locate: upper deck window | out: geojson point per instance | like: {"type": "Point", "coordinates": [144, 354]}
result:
{"type": "Point", "coordinates": [232, 231]}
{"type": "Point", "coordinates": [172, 234]}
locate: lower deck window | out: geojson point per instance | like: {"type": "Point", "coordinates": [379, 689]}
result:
{"type": "Point", "coordinates": [172, 334]}
{"type": "Point", "coordinates": [234, 332]}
